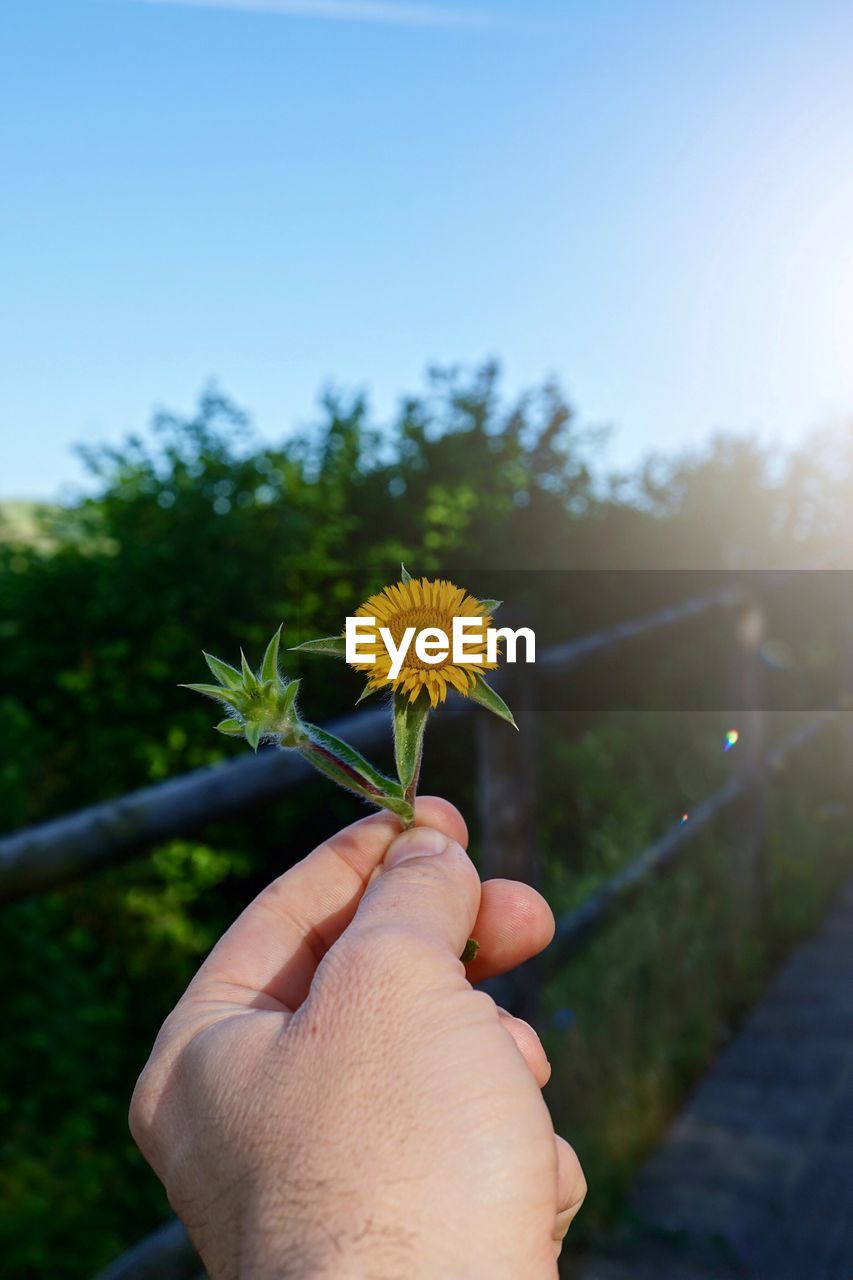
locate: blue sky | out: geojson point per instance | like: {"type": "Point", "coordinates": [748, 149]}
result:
{"type": "Point", "coordinates": [651, 201]}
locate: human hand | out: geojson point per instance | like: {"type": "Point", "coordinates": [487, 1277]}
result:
{"type": "Point", "coordinates": [331, 1097]}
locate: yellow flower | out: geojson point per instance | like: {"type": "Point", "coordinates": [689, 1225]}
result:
{"type": "Point", "coordinates": [421, 603]}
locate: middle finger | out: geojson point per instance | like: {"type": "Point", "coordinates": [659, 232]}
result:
{"type": "Point", "coordinates": [514, 923]}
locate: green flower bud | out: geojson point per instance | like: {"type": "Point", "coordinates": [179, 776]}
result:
{"type": "Point", "coordinates": [261, 705]}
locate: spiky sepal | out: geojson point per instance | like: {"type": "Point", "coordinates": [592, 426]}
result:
{"type": "Point", "coordinates": [262, 706]}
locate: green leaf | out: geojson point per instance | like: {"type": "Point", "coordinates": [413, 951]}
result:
{"type": "Point", "coordinates": [472, 947]}
{"type": "Point", "coordinates": [366, 692]}
{"type": "Point", "coordinates": [226, 675]}
{"type": "Point", "coordinates": [485, 695]}
{"type": "Point", "coordinates": [269, 666]}
{"type": "Point", "coordinates": [344, 763]}
{"type": "Point", "coordinates": [250, 680]}
{"type": "Point", "coordinates": [286, 697]}
{"type": "Point", "coordinates": [409, 724]}
{"type": "Point", "coordinates": [253, 734]}
{"type": "Point", "coordinates": [334, 646]}
{"type": "Point", "coordinates": [405, 576]}
{"type": "Point", "coordinates": [211, 691]}
{"type": "Point", "coordinates": [491, 606]}
{"type": "Point", "coordinates": [231, 728]}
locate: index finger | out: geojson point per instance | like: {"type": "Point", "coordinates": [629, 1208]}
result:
{"type": "Point", "coordinates": [274, 947]}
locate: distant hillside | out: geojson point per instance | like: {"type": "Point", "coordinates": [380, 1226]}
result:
{"type": "Point", "coordinates": [19, 521]}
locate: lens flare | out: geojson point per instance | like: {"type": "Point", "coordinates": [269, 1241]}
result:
{"type": "Point", "coordinates": [730, 739]}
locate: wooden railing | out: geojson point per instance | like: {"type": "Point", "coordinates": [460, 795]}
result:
{"type": "Point", "coordinates": [65, 849]}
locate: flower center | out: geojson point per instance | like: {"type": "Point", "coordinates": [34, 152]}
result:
{"type": "Point", "coordinates": [421, 618]}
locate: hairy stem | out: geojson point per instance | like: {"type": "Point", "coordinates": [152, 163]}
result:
{"type": "Point", "coordinates": [412, 788]}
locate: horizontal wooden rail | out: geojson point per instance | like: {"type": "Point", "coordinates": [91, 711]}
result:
{"type": "Point", "coordinates": [167, 1253]}
{"type": "Point", "coordinates": [64, 849]}
{"type": "Point", "coordinates": [576, 928]}
{"type": "Point", "coordinates": [573, 652]}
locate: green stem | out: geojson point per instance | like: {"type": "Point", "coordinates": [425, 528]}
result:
{"type": "Point", "coordinates": [412, 788]}
{"type": "Point", "coordinates": [340, 762]}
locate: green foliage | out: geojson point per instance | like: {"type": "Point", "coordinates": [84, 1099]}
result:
{"type": "Point", "coordinates": [86, 974]}
{"type": "Point", "coordinates": [206, 535]}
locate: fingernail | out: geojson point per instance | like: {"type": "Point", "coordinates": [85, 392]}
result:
{"type": "Point", "coordinates": [420, 842]}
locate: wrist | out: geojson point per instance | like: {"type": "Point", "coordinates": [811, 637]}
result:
{"type": "Point", "coordinates": [301, 1233]}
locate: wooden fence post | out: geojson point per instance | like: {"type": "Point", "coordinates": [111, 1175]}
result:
{"type": "Point", "coordinates": [506, 795]}
{"type": "Point", "coordinates": [747, 823]}
{"type": "Point", "coordinates": [845, 701]}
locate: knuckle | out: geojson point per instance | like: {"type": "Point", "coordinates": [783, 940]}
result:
{"type": "Point", "coordinates": [145, 1112]}
{"type": "Point", "coordinates": [580, 1188]}
{"type": "Point", "coordinates": [572, 1182]}
{"type": "Point", "coordinates": [142, 1112]}
{"type": "Point", "coordinates": [577, 1184]}
{"type": "Point", "coordinates": [484, 1003]}
{"type": "Point", "coordinates": [379, 953]}
{"type": "Point", "coordinates": [373, 976]}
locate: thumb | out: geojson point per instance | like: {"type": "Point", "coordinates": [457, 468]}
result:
{"type": "Point", "coordinates": [427, 886]}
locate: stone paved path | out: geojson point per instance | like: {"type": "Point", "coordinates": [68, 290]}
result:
{"type": "Point", "coordinates": [755, 1179]}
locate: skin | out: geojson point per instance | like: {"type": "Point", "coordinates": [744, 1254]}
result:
{"type": "Point", "coordinates": [331, 1097]}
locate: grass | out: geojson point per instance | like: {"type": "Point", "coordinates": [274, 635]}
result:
{"type": "Point", "coordinates": [656, 996]}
